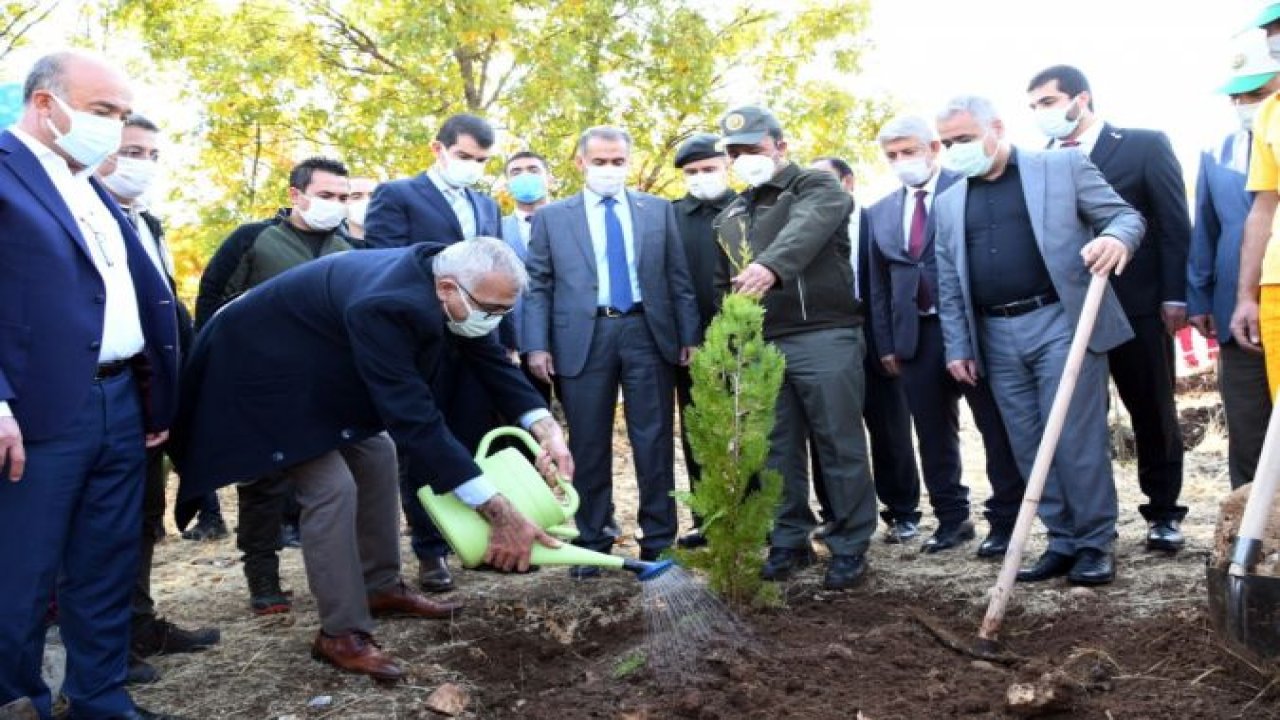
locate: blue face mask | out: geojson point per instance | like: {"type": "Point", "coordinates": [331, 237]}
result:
{"type": "Point", "coordinates": [528, 187]}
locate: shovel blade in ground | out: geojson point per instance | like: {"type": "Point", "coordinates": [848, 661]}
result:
{"type": "Point", "coordinates": [1245, 614]}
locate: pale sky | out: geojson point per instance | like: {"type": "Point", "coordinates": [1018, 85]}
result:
{"type": "Point", "coordinates": [1151, 63]}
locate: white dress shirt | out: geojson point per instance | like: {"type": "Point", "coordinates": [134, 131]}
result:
{"type": "Point", "coordinates": [909, 206]}
{"type": "Point", "coordinates": [157, 250]}
{"type": "Point", "coordinates": [855, 230]}
{"type": "Point", "coordinates": [525, 224]}
{"type": "Point", "coordinates": [595, 208]}
{"type": "Point", "coordinates": [1088, 139]}
{"type": "Point", "coordinates": [457, 199]}
{"type": "Point", "coordinates": [122, 328]}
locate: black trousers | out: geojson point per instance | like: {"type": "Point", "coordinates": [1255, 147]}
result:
{"type": "Point", "coordinates": [684, 400]}
{"type": "Point", "coordinates": [264, 504]}
{"type": "Point", "coordinates": [1143, 372]}
{"type": "Point", "coordinates": [153, 501]}
{"type": "Point", "coordinates": [893, 457]}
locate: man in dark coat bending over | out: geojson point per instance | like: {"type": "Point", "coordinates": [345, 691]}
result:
{"type": "Point", "coordinates": [307, 375]}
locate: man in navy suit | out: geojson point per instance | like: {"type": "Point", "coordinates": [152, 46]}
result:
{"type": "Point", "coordinates": [908, 339]}
{"type": "Point", "coordinates": [441, 206]}
{"type": "Point", "coordinates": [1142, 168]}
{"type": "Point", "coordinates": [1222, 206]}
{"type": "Point", "coordinates": [88, 373]}
{"type": "Point", "coordinates": [529, 182]}
{"type": "Point", "coordinates": [610, 305]}
{"type": "Point", "coordinates": [307, 374]}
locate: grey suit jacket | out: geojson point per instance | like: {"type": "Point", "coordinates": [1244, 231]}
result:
{"type": "Point", "coordinates": [1070, 204]}
{"type": "Point", "coordinates": [894, 275]}
{"type": "Point", "coordinates": [560, 306]}
{"type": "Point", "coordinates": [511, 234]}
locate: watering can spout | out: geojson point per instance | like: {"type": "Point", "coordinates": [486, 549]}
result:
{"type": "Point", "coordinates": [518, 481]}
{"type": "Point", "coordinates": [646, 571]}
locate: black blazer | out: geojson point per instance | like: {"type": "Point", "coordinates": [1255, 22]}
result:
{"type": "Point", "coordinates": [328, 353]}
{"type": "Point", "coordinates": [1141, 167]}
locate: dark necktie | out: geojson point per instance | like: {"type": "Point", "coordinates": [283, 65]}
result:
{"type": "Point", "coordinates": [915, 246]}
{"type": "Point", "coordinates": [615, 254]}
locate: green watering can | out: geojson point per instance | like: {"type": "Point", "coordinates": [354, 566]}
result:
{"type": "Point", "coordinates": [467, 532]}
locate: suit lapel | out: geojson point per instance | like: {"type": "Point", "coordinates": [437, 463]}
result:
{"type": "Point", "coordinates": [1034, 187]}
{"type": "Point", "coordinates": [582, 230]}
{"type": "Point", "coordinates": [1108, 140]}
{"type": "Point", "coordinates": [959, 253]}
{"type": "Point", "coordinates": [31, 173]}
{"type": "Point", "coordinates": [896, 241]}
{"type": "Point", "coordinates": [638, 207]}
{"type": "Point", "coordinates": [437, 200]}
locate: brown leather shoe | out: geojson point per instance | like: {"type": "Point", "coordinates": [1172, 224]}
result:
{"type": "Point", "coordinates": [402, 600]}
{"type": "Point", "coordinates": [356, 652]}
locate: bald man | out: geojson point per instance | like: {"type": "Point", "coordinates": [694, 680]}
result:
{"type": "Point", "coordinates": [88, 367]}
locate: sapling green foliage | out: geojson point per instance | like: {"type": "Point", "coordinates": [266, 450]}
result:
{"type": "Point", "coordinates": [736, 378]}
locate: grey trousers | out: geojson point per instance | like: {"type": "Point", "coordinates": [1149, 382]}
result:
{"type": "Point", "coordinates": [821, 398]}
{"type": "Point", "coordinates": [1025, 357]}
{"type": "Point", "coordinates": [1242, 381]}
{"type": "Point", "coordinates": [350, 500]}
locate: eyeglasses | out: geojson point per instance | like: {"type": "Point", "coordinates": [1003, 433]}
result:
{"type": "Point", "coordinates": [490, 311]}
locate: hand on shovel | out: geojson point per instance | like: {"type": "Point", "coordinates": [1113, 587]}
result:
{"type": "Point", "coordinates": [511, 536]}
{"type": "Point", "coordinates": [1104, 255]}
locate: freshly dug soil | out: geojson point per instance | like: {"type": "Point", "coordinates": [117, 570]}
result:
{"type": "Point", "coordinates": [1229, 517]}
{"type": "Point", "coordinates": [861, 655]}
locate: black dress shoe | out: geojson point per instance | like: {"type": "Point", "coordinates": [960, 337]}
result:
{"type": "Point", "coordinates": [692, 541]}
{"type": "Point", "coordinates": [584, 572]}
{"type": "Point", "coordinates": [845, 571]}
{"type": "Point", "coordinates": [1093, 567]}
{"type": "Point", "coordinates": [996, 544]}
{"type": "Point", "coordinates": [782, 562]}
{"type": "Point", "coordinates": [901, 531]}
{"type": "Point", "coordinates": [157, 636]}
{"type": "Point", "coordinates": [1050, 565]}
{"type": "Point", "coordinates": [434, 575]}
{"type": "Point", "coordinates": [948, 536]}
{"type": "Point", "coordinates": [1165, 535]}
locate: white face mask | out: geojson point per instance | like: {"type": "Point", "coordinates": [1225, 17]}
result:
{"type": "Point", "coordinates": [1247, 112]}
{"type": "Point", "coordinates": [1054, 121]}
{"type": "Point", "coordinates": [132, 178]}
{"type": "Point", "coordinates": [754, 170]}
{"type": "Point", "coordinates": [1273, 45]}
{"type": "Point", "coordinates": [477, 323]}
{"type": "Point", "coordinates": [970, 158]}
{"type": "Point", "coordinates": [461, 173]}
{"type": "Point", "coordinates": [357, 211]}
{"type": "Point", "coordinates": [91, 137]}
{"type": "Point", "coordinates": [707, 186]}
{"type": "Point", "coordinates": [913, 172]}
{"type": "Point", "coordinates": [606, 180]}
{"type": "Point", "coordinates": [324, 215]}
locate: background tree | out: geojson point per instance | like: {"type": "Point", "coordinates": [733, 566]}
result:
{"type": "Point", "coordinates": [370, 81]}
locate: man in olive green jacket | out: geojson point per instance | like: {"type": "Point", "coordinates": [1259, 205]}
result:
{"type": "Point", "coordinates": [795, 223]}
{"type": "Point", "coordinates": [256, 252]}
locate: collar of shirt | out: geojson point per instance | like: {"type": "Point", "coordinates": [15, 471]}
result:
{"type": "Point", "coordinates": [1089, 138]}
{"type": "Point", "coordinates": [45, 154]}
{"type": "Point", "coordinates": [523, 216]}
{"type": "Point", "coordinates": [930, 186]}
{"type": "Point", "coordinates": [595, 199]}
{"type": "Point", "coordinates": [447, 190]}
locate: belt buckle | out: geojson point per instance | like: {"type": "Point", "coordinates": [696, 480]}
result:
{"type": "Point", "coordinates": [612, 312]}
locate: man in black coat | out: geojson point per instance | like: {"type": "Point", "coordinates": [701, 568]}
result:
{"type": "Point", "coordinates": [1141, 167]}
{"type": "Point", "coordinates": [307, 373]}
{"type": "Point", "coordinates": [706, 175]}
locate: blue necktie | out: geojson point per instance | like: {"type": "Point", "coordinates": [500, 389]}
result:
{"type": "Point", "coordinates": [615, 253]}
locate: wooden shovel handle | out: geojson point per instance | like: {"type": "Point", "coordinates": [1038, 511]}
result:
{"type": "Point", "coordinates": [1044, 459]}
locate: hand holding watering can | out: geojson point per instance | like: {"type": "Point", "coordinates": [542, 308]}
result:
{"type": "Point", "coordinates": [512, 535]}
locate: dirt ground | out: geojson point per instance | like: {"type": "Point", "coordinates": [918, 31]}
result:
{"type": "Point", "coordinates": [543, 646]}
